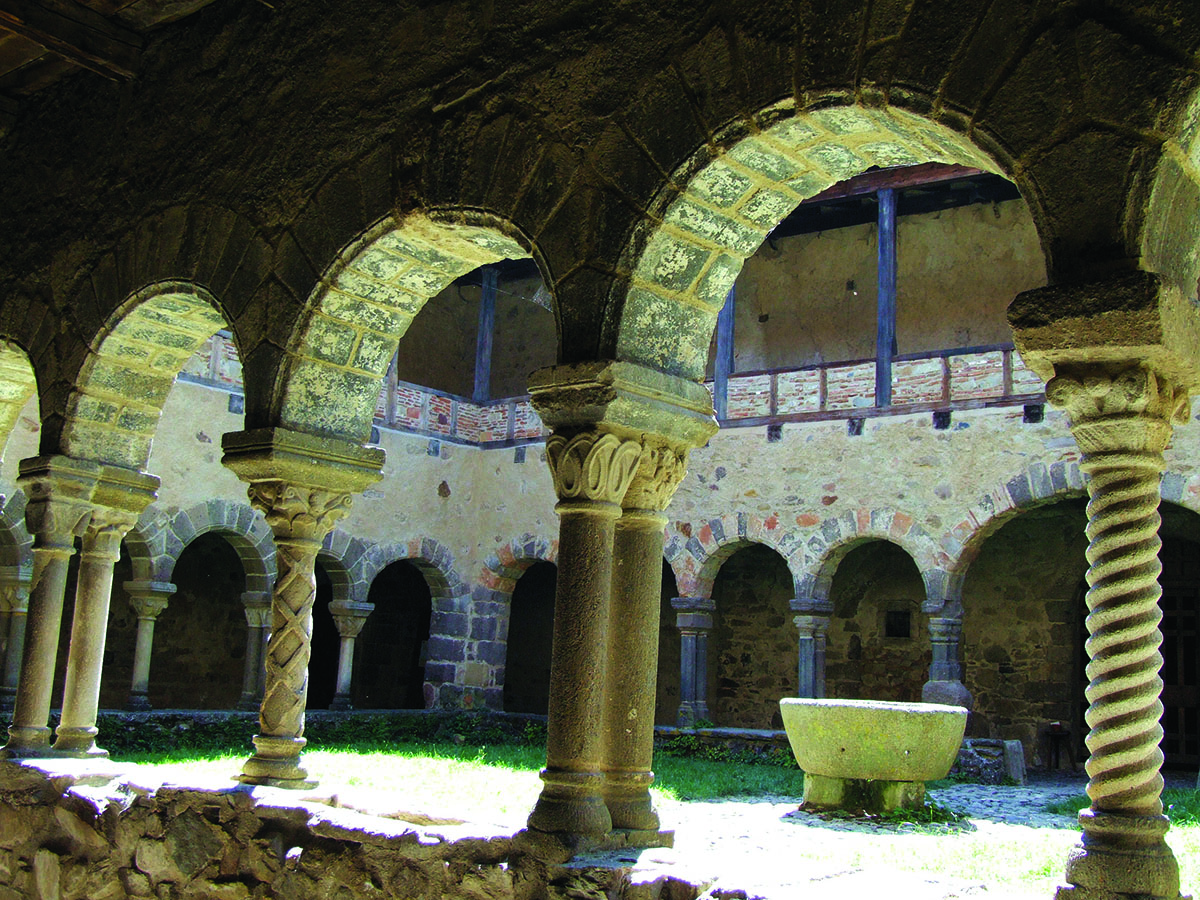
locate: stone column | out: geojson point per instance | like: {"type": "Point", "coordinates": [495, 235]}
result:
{"type": "Point", "coordinates": [59, 491]}
{"type": "Point", "coordinates": [633, 638]}
{"type": "Point", "coordinates": [257, 607]}
{"type": "Point", "coordinates": [148, 599]}
{"type": "Point", "coordinates": [812, 621]}
{"type": "Point", "coordinates": [603, 417]}
{"type": "Point", "coordinates": [349, 618]}
{"type": "Point", "coordinates": [119, 497]}
{"type": "Point", "coordinates": [694, 618]}
{"type": "Point", "coordinates": [15, 593]}
{"type": "Point", "coordinates": [1120, 358]}
{"type": "Point", "coordinates": [303, 485]}
{"type": "Point", "coordinates": [592, 470]}
{"type": "Point", "coordinates": [945, 671]}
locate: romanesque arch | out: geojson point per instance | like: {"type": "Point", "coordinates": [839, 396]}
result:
{"type": "Point", "coordinates": [17, 385]}
{"type": "Point", "coordinates": [117, 399]}
{"type": "Point", "coordinates": [339, 351]}
{"type": "Point", "coordinates": [721, 204]}
{"type": "Point", "coordinates": [448, 600]}
{"type": "Point", "coordinates": [696, 552]}
{"type": "Point", "coordinates": [491, 606]}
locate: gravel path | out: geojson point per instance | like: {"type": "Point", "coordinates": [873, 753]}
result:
{"type": "Point", "coordinates": [766, 848]}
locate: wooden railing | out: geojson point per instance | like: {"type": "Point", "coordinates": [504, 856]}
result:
{"type": "Point", "coordinates": [962, 378]}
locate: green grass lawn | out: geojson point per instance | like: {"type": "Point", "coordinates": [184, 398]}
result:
{"type": "Point", "coordinates": [499, 784]}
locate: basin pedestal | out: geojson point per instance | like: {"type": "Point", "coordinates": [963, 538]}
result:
{"type": "Point", "coordinates": [868, 755]}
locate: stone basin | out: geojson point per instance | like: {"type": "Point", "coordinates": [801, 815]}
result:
{"type": "Point", "coordinates": [871, 755]}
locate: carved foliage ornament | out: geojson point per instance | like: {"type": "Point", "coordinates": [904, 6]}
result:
{"type": "Point", "coordinates": [1091, 393]}
{"type": "Point", "coordinates": [661, 468]}
{"type": "Point", "coordinates": [592, 466]}
{"type": "Point", "coordinates": [299, 512]}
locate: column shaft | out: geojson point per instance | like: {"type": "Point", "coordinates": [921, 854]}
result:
{"type": "Point", "coordinates": [693, 617]}
{"type": "Point", "coordinates": [811, 657]}
{"type": "Point", "coordinates": [148, 600]}
{"type": "Point", "coordinates": [945, 671]}
{"type": "Point", "coordinates": [18, 617]}
{"type": "Point", "coordinates": [571, 799]}
{"type": "Point", "coordinates": [633, 669]}
{"type": "Point", "coordinates": [76, 733]}
{"type": "Point", "coordinates": [29, 734]}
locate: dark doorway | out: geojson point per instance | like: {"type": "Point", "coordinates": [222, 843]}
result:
{"type": "Point", "coordinates": [390, 656]}
{"type": "Point", "coordinates": [1180, 602]}
{"type": "Point", "coordinates": [326, 642]}
{"type": "Point", "coordinates": [530, 637]}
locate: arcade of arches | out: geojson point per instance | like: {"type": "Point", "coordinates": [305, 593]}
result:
{"type": "Point", "coordinates": [402, 391]}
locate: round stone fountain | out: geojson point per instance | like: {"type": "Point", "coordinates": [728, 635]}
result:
{"type": "Point", "coordinates": [871, 755]}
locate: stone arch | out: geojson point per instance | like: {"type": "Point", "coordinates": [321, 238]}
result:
{"type": "Point", "coordinates": [1167, 241]}
{"type": "Point", "coordinates": [16, 544]}
{"type": "Point", "coordinates": [816, 546]}
{"type": "Point", "coordinates": [18, 383]}
{"type": "Point", "coordinates": [117, 399]}
{"type": "Point", "coordinates": [489, 610]}
{"type": "Point", "coordinates": [719, 206]}
{"type": "Point", "coordinates": [241, 525]}
{"type": "Point", "coordinates": [339, 352]}
{"type": "Point", "coordinates": [202, 250]}
{"type": "Point", "coordinates": [696, 553]}
{"type": "Point", "coordinates": [449, 626]}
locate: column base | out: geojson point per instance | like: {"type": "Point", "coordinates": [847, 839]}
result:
{"type": "Point", "coordinates": [27, 742]}
{"type": "Point", "coordinates": [277, 764]}
{"type": "Point", "coordinates": [571, 805]}
{"type": "Point", "coordinates": [627, 796]}
{"type": "Point", "coordinates": [341, 703]}
{"type": "Point", "coordinates": [77, 743]}
{"type": "Point", "coordinates": [1121, 856]}
{"type": "Point", "coordinates": [138, 703]}
{"type": "Point", "coordinates": [950, 693]}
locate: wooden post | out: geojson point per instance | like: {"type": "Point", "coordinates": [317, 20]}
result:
{"type": "Point", "coordinates": [723, 366]}
{"type": "Point", "coordinates": [487, 327]}
{"type": "Point", "coordinates": [885, 335]}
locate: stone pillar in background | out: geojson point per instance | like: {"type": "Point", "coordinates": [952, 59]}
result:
{"type": "Point", "coordinates": [59, 491]}
{"type": "Point", "coordinates": [812, 621]}
{"type": "Point", "coordinates": [119, 497]}
{"type": "Point", "coordinates": [945, 671]}
{"type": "Point", "coordinates": [257, 607]}
{"type": "Point", "coordinates": [349, 618]}
{"type": "Point", "coordinates": [610, 422]}
{"type": "Point", "coordinates": [15, 593]}
{"type": "Point", "coordinates": [694, 618]}
{"type": "Point", "coordinates": [633, 637]}
{"type": "Point", "coordinates": [148, 599]}
{"type": "Point", "coordinates": [1120, 357]}
{"type": "Point", "coordinates": [303, 485]}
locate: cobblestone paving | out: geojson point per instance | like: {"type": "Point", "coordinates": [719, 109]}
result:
{"type": "Point", "coordinates": [767, 849]}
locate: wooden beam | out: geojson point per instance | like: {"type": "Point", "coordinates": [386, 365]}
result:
{"type": "Point", "coordinates": [896, 179]}
{"type": "Point", "coordinates": [885, 333]}
{"type": "Point", "coordinates": [485, 335]}
{"type": "Point", "coordinates": [76, 33]}
{"type": "Point", "coordinates": [723, 364]}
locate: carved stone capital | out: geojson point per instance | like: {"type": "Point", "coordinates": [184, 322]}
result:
{"type": "Point", "coordinates": [349, 617]}
{"type": "Point", "coordinates": [945, 629]}
{"type": "Point", "coordinates": [297, 458]}
{"type": "Point", "coordinates": [149, 598]}
{"type": "Point", "coordinates": [592, 466]}
{"type": "Point", "coordinates": [660, 469]}
{"type": "Point", "coordinates": [59, 491]}
{"type": "Point", "coordinates": [298, 513]}
{"type": "Point", "coordinates": [1113, 408]}
{"type": "Point", "coordinates": [14, 591]}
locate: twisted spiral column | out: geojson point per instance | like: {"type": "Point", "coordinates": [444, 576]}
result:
{"type": "Point", "coordinates": [1121, 418]}
{"type": "Point", "coordinates": [300, 518]}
